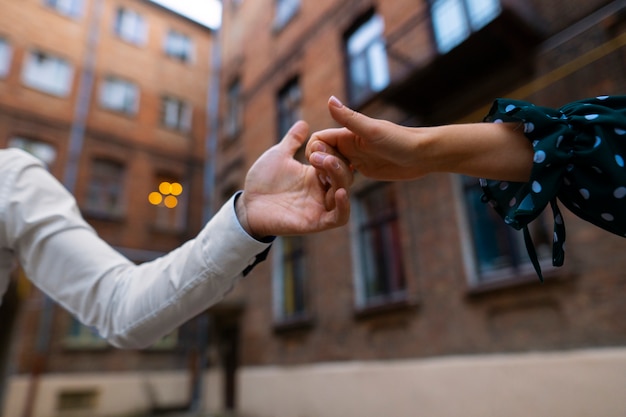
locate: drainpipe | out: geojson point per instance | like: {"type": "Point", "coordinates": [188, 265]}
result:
{"type": "Point", "coordinates": [203, 322]}
{"type": "Point", "coordinates": [76, 139]}
{"type": "Point", "coordinates": [213, 118]}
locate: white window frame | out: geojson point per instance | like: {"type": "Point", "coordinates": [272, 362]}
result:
{"type": "Point", "coordinates": [119, 95]}
{"type": "Point", "coordinates": [289, 106]}
{"type": "Point", "coordinates": [131, 26]}
{"type": "Point", "coordinates": [48, 73]}
{"type": "Point", "coordinates": [278, 283]}
{"type": "Point", "coordinates": [475, 277]}
{"type": "Point", "coordinates": [6, 53]}
{"type": "Point", "coordinates": [176, 114]}
{"type": "Point", "coordinates": [461, 17]}
{"type": "Point", "coordinates": [43, 151]}
{"type": "Point", "coordinates": [179, 46]}
{"type": "Point", "coordinates": [360, 265]}
{"type": "Point", "coordinates": [367, 56]}
{"type": "Point", "coordinates": [234, 114]}
{"type": "Point", "coordinates": [71, 8]}
{"type": "Point", "coordinates": [107, 185]}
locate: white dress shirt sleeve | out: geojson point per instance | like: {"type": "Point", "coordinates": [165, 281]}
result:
{"type": "Point", "coordinates": [132, 306]}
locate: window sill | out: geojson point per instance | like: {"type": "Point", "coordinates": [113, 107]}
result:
{"type": "Point", "coordinates": [398, 305]}
{"type": "Point", "coordinates": [293, 325]}
{"type": "Point", "coordinates": [169, 231]}
{"type": "Point", "coordinates": [76, 346]}
{"type": "Point", "coordinates": [552, 275]}
{"type": "Point", "coordinates": [103, 216]}
{"type": "Point", "coordinates": [129, 114]}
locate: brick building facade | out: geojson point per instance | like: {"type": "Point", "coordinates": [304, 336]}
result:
{"type": "Point", "coordinates": [404, 308]}
{"type": "Point", "coordinates": [112, 95]}
{"type": "Point", "coordinates": [425, 303]}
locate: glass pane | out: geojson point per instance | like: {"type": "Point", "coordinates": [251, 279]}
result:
{"type": "Point", "coordinates": [450, 24]}
{"type": "Point", "coordinates": [377, 57]}
{"type": "Point", "coordinates": [497, 246]}
{"type": "Point", "coordinates": [47, 73]}
{"type": "Point", "coordinates": [482, 12]}
{"type": "Point", "coordinates": [359, 75]}
{"type": "Point", "coordinates": [294, 273]}
{"type": "Point", "coordinates": [44, 151]}
{"type": "Point", "coordinates": [369, 70]}
{"type": "Point", "coordinates": [365, 35]}
{"type": "Point", "coordinates": [5, 57]}
{"type": "Point", "coordinates": [382, 266]}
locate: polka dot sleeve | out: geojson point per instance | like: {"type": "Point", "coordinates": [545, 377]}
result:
{"type": "Point", "coordinates": [579, 159]}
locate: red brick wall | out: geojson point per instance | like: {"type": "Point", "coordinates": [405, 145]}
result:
{"type": "Point", "coordinates": [578, 306]}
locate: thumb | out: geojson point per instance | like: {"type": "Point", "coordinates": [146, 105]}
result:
{"type": "Point", "coordinates": [351, 119]}
{"type": "Point", "coordinates": [295, 137]}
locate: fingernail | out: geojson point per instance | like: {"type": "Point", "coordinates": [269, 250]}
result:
{"type": "Point", "coordinates": [318, 147]}
{"type": "Point", "coordinates": [323, 179]}
{"type": "Point", "coordinates": [317, 158]}
{"type": "Point", "coordinates": [335, 102]}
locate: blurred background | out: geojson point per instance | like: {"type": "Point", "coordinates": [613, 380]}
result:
{"type": "Point", "coordinates": [425, 304]}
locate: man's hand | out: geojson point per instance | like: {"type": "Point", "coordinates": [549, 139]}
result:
{"type": "Point", "coordinates": [285, 197]}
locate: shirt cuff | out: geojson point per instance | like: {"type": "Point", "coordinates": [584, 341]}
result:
{"type": "Point", "coordinates": [227, 246]}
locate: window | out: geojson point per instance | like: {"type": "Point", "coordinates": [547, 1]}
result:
{"type": "Point", "coordinates": [168, 198]}
{"type": "Point", "coordinates": [379, 264]}
{"type": "Point", "coordinates": [367, 59]}
{"type": "Point", "coordinates": [175, 114]}
{"type": "Point", "coordinates": [167, 342]}
{"type": "Point", "coordinates": [499, 250]}
{"type": "Point", "coordinates": [105, 191]}
{"type": "Point", "coordinates": [178, 46]}
{"type": "Point", "coordinates": [289, 279]}
{"type": "Point", "coordinates": [44, 151]}
{"type": "Point", "coordinates": [233, 122]}
{"type": "Point", "coordinates": [5, 57]}
{"type": "Point", "coordinates": [70, 8]}
{"type": "Point", "coordinates": [455, 20]}
{"type": "Point", "coordinates": [130, 26]}
{"type": "Point", "coordinates": [119, 95]}
{"type": "Point", "coordinates": [80, 336]}
{"type": "Point", "coordinates": [285, 11]}
{"type": "Point", "coordinates": [289, 99]}
{"type": "Point", "coordinates": [77, 401]}
{"type": "Point", "coordinates": [47, 73]}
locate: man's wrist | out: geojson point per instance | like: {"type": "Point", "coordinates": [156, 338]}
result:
{"type": "Point", "coordinates": [242, 215]}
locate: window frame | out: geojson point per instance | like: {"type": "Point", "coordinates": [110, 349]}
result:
{"type": "Point", "coordinates": [183, 114]}
{"type": "Point", "coordinates": [44, 151]}
{"type": "Point", "coordinates": [170, 220]}
{"type": "Point", "coordinates": [6, 57]}
{"type": "Point", "coordinates": [69, 8]}
{"type": "Point", "coordinates": [113, 185]}
{"type": "Point", "coordinates": [127, 86]}
{"type": "Point", "coordinates": [38, 77]}
{"type": "Point", "coordinates": [81, 337]}
{"type": "Point", "coordinates": [358, 222]}
{"type": "Point", "coordinates": [466, 14]}
{"type": "Point", "coordinates": [512, 274]}
{"type": "Point", "coordinates": [288, 106]}
{"type": "Point", "coordinates": [294, 256]}
{"type": "Point", "coordinates": [375, 72]}
{"type": "Point", "coordinates": [179, 46]}
{"type": "Point", "coordinates": [233, 123]}
{"type": "Point", "coordinates": [136, 31]}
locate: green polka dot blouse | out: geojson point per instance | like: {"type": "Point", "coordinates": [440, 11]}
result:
{"type": "Point", "coordinates": [579, 159]}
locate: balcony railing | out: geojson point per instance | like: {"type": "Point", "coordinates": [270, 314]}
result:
{"type": "Point", "coordinates": [497, 53]}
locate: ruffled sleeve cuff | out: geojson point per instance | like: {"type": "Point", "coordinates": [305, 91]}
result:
{"type": "Point", "coordinates": [579, 154]}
